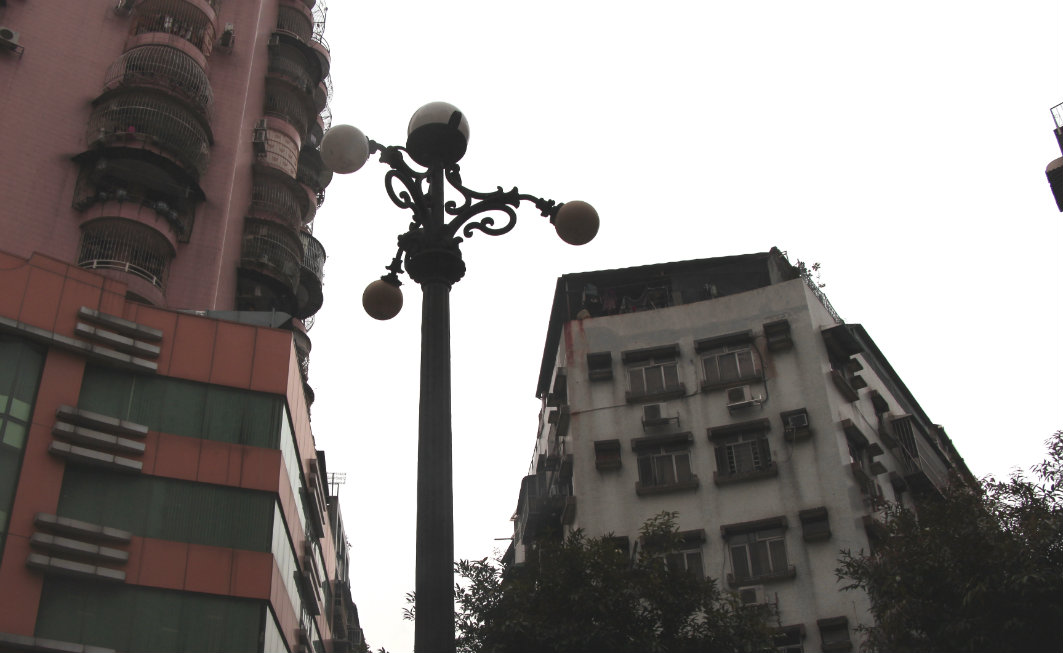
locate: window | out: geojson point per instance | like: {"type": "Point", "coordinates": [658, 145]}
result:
{"type": "Point", "coordinates": [688, 556]}
{"type": "Point", "coordinates": [758, 551]}
{"type": "Point", "coordinates": [600, 366]}
{"type": "Point", "coordinates": [653, 373]}
{"type": "Point", "coordinates": [664, 463]}
{"type": "Point", "coordinates": [20, 374]}
{"type": "Point", "coordinates": [607, 454]}
{"type": "Point", "coordinates": [742, 451]}
{"type": "Point", "coordinates": [729, 365]}
{"type": "Point", "coordinates": [728, 359]}
{"type": "Point", "coordinates": [814, 524]}
{"type": "Point", "coordinates": [778, 335]}
{"type": "Point", "coordinates": [795, 425]}
{"type": "Point", "coordinates": [834, 634]}
{"type": "Point", "coordinates": [790, 639]}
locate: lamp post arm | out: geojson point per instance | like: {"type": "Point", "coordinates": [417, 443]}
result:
{"type": "Point", "coordinates": [498, 201]}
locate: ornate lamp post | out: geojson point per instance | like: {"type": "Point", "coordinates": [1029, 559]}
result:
{"type": "Point", "coordinates": [437, 137]}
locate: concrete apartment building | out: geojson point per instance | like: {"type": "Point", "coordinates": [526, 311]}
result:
{"type": "Point", "coordinates": [160, 485]}
{"type": "Point", "coordinates": [730, 391]}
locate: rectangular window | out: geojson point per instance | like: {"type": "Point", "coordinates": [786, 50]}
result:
{"type": "Point", "coordinates": [654, 379]}
{"type": "Point", "coordinates": [179, 407]}
{"type": "Point", "coordinates": [730, 365]}
{"type": "Point", "coordinates": [664, 463]}
{"type": "Point", "coordinates": [758, 554]}
{"type": "Point", "coordinates": [20, 372]}
{"type": "Point", "coordinates": [688, 560]}
{"type": "Point", "coordinates": [667, 465]}
{"type": "Point", "coordinates": [743, 454]}
{"type": "Point", "coordinates": [653, 373]}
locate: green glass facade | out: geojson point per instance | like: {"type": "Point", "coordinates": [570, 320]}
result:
{"type": "Point", "coordinates": [169, 509]}
{"type": "Point", "coordinates": [186, 408]}
{"type": "Point", "coordinates": [148, 620]}
{"type": "Point", "coordinates": [20, 373]}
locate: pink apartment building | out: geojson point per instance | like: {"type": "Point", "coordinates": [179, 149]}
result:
{"type": "Point", "coordinates": [160, 488]}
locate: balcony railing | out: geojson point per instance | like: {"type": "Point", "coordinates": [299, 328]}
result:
{"type": "Point", "coordinates": [274, 250]}
{"type": "Point", "coordinates": [312, 170]}
{"type": "Point", "coordinates": [285, 203]}
{"type": "Point", "coordinates": [294, 64]}
{"type": "Point", "coordinates": [165, 68]}
{"type": "Point", "coordinates": [290, 105]}
{"type": "Point", "coordinates": [125, 246]}
{"type": "Point", "coordinates": [295, 22]}
{"type": "Point", "coordinates": [176, 17]}
{"type": "Point", "coordinates": [279, 151]}
{"type": "Point", "coordinates": [141, 117]}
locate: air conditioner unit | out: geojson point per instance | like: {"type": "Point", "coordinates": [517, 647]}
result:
{"type": "Point", "coordinates": [8, 37]}
{"type": "Point", "coordinates": [753, 595]}
{"type": "Point", "coordinates": [739, 397]}
{"type": "Point", "coordinates": [797, 421]}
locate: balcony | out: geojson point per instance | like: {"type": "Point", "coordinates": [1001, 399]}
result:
{"type": "Point", "coordinates": [312, 170]}
{"type": "Point", "coordinates": [280, 199]}
{"type": "Point", "coordinates": [129, 182]}
{"type": "Point", "coordinates": [130, 247]}
{"type": "Point", "coordinates": [295, 20]}
{"type": "Point", "coordinates": [309, 296]}
{"type": "Point", "coordinates": [277, 150]}
{"type": "Point", "coordinates": [148, 119]}
{"type": "Point", "coordinates": [189, 20]}
{"type": "Point", "coordinates": [274, 252]}
{"type": "Point", "coordinates": [285, 101]}
{"type": "Point", "coordinates": [165, 69]}
{"type": "Point", "coordinates": [295, 61]}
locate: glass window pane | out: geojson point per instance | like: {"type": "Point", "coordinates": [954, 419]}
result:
{"type": "Point", "coordinates": [14, 436]}
{"type": "Point", "coordinates": [778, 554]}
{"type": "Point", "coordinates": [665, 470]}
{"type": "Point", "coordinates": [646, 470]}
{"type": "Point", "coordinates": [745, 364]}
{"type": "Point", "coordinates": [741, 562]}
{"type": "Point", "coordinates": [712, 372]}
{"type": "Point", "coordinates": [637, 385]}
{"type": "Point", "coordinates": [654, 379]}
{"type": "Point", "coordinates": [759, 561]}
{"type": "Point", "coordinates": [728, 367]}
{"type": "Point", "coordinates": [671, 376]}
{"type": "Point", "coordinates": [106, 391]}
{"type": "Point", "coordinates": [682, 467]}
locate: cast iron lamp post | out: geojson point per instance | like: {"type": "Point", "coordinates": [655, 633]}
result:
{"type": "Point", "coordinates": [437, 137]}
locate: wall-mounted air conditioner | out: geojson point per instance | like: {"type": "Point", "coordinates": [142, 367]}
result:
{"type": "Point", "coordinates": [753, 595]}
{"type": "Point", "coordinates": [797, 421]}
{"type": "Point", "coordinates": [8, 38]}
{"type": "Point", "coordinates": [740, 397]}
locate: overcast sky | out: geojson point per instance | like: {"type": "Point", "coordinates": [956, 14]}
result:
{"type": "Point", "coordinates": [900, 145]}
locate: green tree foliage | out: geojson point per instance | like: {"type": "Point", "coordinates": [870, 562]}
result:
{"type": "Point", "coordinates": [583, 595]}
{"type": "Point", "coordinates": [980, 569]}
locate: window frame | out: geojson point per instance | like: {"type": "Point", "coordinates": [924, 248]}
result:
{"type": "Point", "coordinates": [727, 439]}
{"type": "Point", "coordinates": [638, 362]}
{"type": "Point", "coordinates": [712, 350]}
{"type": "Point", "coordinates": [656, 454]}
{"type": "Point", "coordinates": [772, 533]}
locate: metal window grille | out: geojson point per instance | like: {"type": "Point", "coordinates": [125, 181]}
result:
{"type": "Point", "coordinates": [313, 255]}
{"type": "Point", "coordinates": [163, 67]}
{"type": "Point", "coordinates": [271, 247]}
{"type": "Point", "coordinates": [287, 104]}
{"type": "Point", "coordinates": [126, 246]}
{"type": "Point", "coordinates": [295, 22]}
{"type": "Point", "coordinates": [153, 119]}
{"type": "Point", "coordinates": [745, 454]}
{"type": "Point", "coordinates": [176, 17]}
{"type": "Point", "coordinates": [280, 201]}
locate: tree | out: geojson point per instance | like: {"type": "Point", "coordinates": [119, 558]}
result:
{"type": "Point", "coordinates": [585, 595]}
{"type": "Point", "coordinates": [978, 569]}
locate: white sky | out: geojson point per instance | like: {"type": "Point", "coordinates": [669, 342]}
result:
{"type": "Point", "coordinates": [901, 145]}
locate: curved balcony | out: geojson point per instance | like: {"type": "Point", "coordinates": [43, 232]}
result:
{"type": "Point", "coordinates": [312, 170]}
{"type": "Point", "coordinates": [137, 178]}
{"type": "Point", "coordinates": [296, 20]}
{"type": "Point", "coordinates": [288, 103]}
{"type": "Point", "coordinates": [274, 252]}
{"type": "Point", "coordinates": [294, 60]}
{"type": "Point", "coordinates": [278, 150]}
{"type": "Point", "coordinates": [142, 118]}
{"type": "Point", "coordinates": [309, 296]}
{"type": "Point", "coordinates": [129, 247]}
{"type": "Point", "coordinates": [166, 69]}
{"type": "Point", "coordinates": [279, 198]}
{"type": "Point", "coordinates": [191, 20]}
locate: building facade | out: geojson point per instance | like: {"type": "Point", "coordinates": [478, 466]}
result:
{"type": "Point", "coordinates": [160, 486]}
{"type": "Point", "coordinates": [729, 391]}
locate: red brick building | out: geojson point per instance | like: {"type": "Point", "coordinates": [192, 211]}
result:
{"type": "Point", "coordinates": [160, 488]}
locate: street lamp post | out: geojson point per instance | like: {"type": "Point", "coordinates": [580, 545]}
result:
{"type": "Point", "coordinates": [437, 137]}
